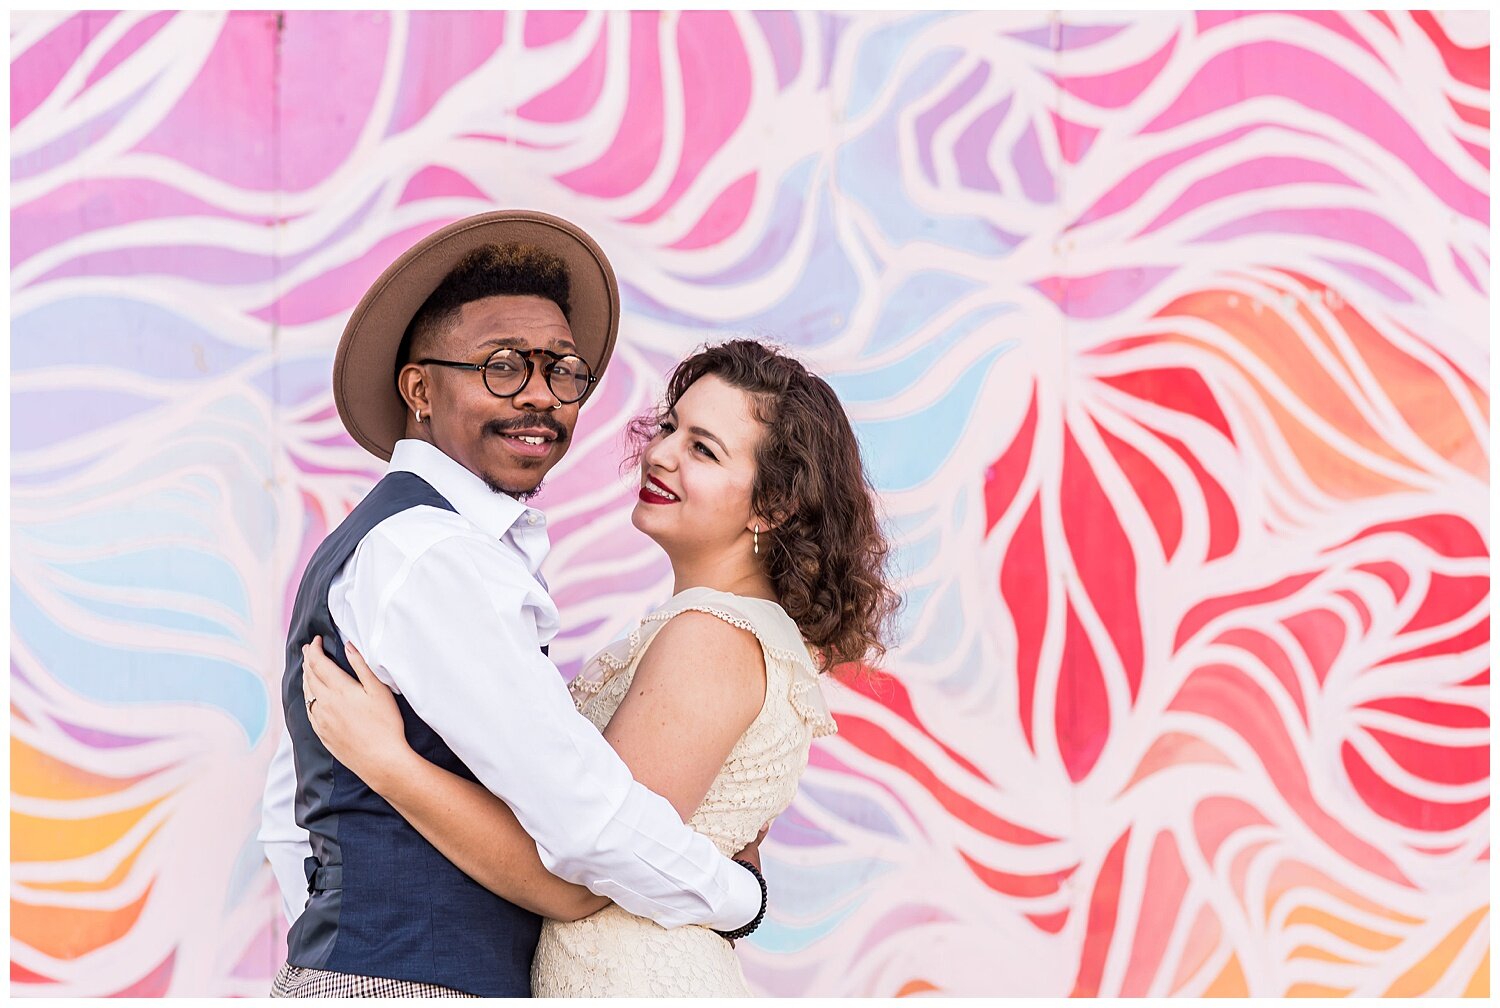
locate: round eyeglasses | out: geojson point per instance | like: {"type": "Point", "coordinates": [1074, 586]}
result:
{"type": "Point", "coordinates": [506, 372]}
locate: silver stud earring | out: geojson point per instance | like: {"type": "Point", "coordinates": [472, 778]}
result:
{"type": "Point", "coordinates": [419, 416]}
{"type": "Point", "coordinates": [757, 540]}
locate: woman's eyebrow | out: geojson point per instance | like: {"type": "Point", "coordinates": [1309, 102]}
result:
{"type": "Point", "coordinates": [701, 432]}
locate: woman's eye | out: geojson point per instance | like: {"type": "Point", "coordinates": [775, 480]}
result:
{"type": "Point", "coordinates": [700, 446]}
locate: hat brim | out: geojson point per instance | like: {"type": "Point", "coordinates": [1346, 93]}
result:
{"type": "Point", "coordinates": [364, 387]}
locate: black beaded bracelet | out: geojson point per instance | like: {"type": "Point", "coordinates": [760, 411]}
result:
{"type": "Point", "coordinates": [741, 932]}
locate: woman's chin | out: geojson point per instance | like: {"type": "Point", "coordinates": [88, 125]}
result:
{"type": "Point", "coordinates": [644, 517]}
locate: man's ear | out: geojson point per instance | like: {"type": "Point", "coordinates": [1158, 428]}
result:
{"type": "Point", "coordinates": [412, 384]}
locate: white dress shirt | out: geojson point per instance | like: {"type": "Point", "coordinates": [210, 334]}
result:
{"type": "Point", "coordinates": [449, 611]}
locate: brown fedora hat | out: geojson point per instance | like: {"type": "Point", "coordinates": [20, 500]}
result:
{"type": "Point", "coordinates": [364, 387]}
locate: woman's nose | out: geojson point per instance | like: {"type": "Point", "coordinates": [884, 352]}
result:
{"type": "Point", "coordinates": [662, 452]}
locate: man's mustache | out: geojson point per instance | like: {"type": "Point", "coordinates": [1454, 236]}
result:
{"type": "Point", "coordinates": [500, 428]}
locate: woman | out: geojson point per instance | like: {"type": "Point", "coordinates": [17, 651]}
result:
{"type": "Point", "coordinates": [751, 483]}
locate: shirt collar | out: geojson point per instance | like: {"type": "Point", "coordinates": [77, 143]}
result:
{"type": "Point", "coordinates": [494, 513]}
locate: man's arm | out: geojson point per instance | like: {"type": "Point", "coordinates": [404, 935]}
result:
{"type": "Point", "coordinates": [285, 843]}
{"type": "Point", "coordinates": [460, 643]}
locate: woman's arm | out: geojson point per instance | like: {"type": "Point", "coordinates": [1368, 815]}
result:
{"type": "Point", "coordinates": [699, 685]}
{"type": "Point", "coordinates": [361, 726]}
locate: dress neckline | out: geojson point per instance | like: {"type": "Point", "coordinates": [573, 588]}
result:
{"type": "Point", "coordinates": [720, 591]}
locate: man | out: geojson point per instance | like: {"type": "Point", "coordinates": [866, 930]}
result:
{"type": "Point", "coordinates": [496, 330]}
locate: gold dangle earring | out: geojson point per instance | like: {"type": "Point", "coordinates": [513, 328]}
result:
{"type": "Point", "coordinates": [757, 540]}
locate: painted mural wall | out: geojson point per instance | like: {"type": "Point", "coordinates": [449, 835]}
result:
{"type": "Point", "coordinates": [1165, 337]}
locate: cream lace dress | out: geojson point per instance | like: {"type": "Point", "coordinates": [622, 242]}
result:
{"type": "Point", "coordinates": [613, 953]}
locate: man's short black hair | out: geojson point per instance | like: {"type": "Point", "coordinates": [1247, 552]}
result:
{"type": "Point", "coordinates": [489, 270]}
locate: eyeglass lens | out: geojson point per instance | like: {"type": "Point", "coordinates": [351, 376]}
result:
{"type": "Point", "coordinates": [506, 371]}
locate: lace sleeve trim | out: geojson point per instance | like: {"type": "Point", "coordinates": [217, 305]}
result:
{"type": "Point", "coordinates": [603, 667]}
{"type": "Point", "coordinates": [809, 703]}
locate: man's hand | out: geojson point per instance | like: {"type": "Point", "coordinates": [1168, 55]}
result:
{"type": "Point", "coordinates": [751, 852]}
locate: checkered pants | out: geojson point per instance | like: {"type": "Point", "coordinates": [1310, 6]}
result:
{"type": "Point", "coordinates": [297, 982]}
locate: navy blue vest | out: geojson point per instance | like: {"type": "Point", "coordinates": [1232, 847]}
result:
{"type": "Point", "coordinates": [382, 901]}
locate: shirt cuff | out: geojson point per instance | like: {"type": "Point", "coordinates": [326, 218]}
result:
{"type": "Point", "coordinates": [743, 902]}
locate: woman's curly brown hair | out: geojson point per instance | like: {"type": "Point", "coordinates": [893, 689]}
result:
{"type": "Point", "coordinates": [827, 555]}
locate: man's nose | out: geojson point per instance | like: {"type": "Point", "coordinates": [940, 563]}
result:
{"type": "Point", "coordinates": [536, 394]}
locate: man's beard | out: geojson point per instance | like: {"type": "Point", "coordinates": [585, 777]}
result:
{"type": "Point", "coordinates": [499, 428]}
{"type": "Point", "coordinates": [520, 495]}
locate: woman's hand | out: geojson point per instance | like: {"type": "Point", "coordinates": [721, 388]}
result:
{"type": "Point", "coordinates": [357, 721]}
{"type": "Point", "coordinates": [751, 852]}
